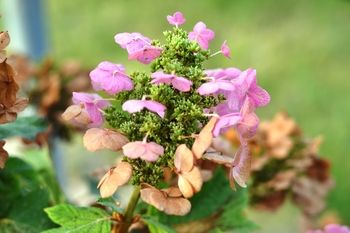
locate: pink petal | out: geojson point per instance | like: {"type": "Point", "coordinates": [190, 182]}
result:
{"type": "Point", "coordinates": [242, 163]}
{"type": "Point", "coordinates": [259, 96]}
{"type": "Point", "coordinates": [177, 19]}
{"type": "Point", "coordinates": [132, 106]}
{"type": "Point", "coordinates": [182, 84]}
{"type": "Point", "coordinates": [134, 150]}
{"type": "Point", "coordinates": [208, 88]}
{"type": "Point", "coordinates": [225, 50]}
{"type": "Point", "coordinates": [249, 124]}
{"type": "Point", "coordinates": [155, 107]}
{"type": "Point", "coordinates": [123, 39]}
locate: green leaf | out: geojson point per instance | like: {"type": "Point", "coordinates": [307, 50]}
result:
{"type": "Point", "coordinates": [17, 179]}
{"type": "Point", "coordinates": [23, 199]}
{"type": "Point", "coordinates": [78, 219]}
{"type": "Point", "coordinates": [27, 127]}
{"type": "Point", "coordinates": [110, 202]}
{"type": "Point", "coordinates": [156, 227]}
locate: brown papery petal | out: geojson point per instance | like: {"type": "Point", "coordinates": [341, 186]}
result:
{"type": "Point", "coordinates": [3, 154]}
{"type": "Point", "coordinates": [204, 139]}
{"type": "Point", "coordinates": [113, 140]}
{"type": "Point", "coordinates": [4, 39]}
{"type": "Point", "coordinates": [183, 159]}
{"type": "Point", "coordinates": [172, 192]}
{"type": "Point", "coordinates": [71, 112]}
{"type": "Point", "coordinates": [177, 206]}
{"type": "Point", "coordinates": [114, 178]}
{"type": "Point", "coordinates": [170, 205]}
{"type": "Point", "coordinates": [185, 187]}
{"type": "Point", "coordinates": [97, 139]}
{"type": "Point", "coordinates": [194, 177]}
{"type": "Point", "coordinates": [20, 104]}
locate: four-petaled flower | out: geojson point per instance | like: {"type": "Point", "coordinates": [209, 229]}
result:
{"type": "Point", "coordinates": [111, 78]}
{"type": "Point", "coordinates": [215, 85]}
{"type": "Point", "coordinates": [177, 19]}
{"type": "Point", "coordinates": [148, 151]}
{"type": "Point", "coordinates": [201, 34]}
{"type": "Point", "coordinates": [180, 83]}
{"type": "Point", "coordinates": [132, 106]}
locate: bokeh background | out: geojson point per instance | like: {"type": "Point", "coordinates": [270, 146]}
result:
{"type": "Point", "coordinates": [300, 49]}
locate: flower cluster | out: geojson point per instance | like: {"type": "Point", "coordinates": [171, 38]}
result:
{"type": "Point", "coordinates": [332, 228]}
{"type": "Point", "coordinates": [167, 118]}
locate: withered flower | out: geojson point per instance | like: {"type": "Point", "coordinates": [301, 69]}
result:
{"type": "Point", "coordinates": [190, 179]}
{"type": "Point", "coordinates": [114, 178]}
{"type": "Point", "coordinates": [168, 200]}
{"type": "Point", "coordinates": [97, 139]}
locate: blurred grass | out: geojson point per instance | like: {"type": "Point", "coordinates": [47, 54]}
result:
{"type": "Point", "coordinates": [301, 50]}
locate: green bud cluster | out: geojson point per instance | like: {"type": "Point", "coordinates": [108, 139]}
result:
{"type": "Point", "coordinates": [184, 110]}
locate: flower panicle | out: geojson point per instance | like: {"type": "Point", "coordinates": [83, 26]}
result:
{"type": "Point", "coordinates": [171, 116]}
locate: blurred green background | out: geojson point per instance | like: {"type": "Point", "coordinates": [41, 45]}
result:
{"type": "Point", "coordinates": [300, 49]}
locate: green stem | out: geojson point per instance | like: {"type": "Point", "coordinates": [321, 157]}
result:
{"type": "Point", "coordinates": [124, 226]}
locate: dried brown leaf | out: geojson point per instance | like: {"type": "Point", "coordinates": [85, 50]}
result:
{"type": "Point", "coordinates": [282, 180]}
{"type": "Point", "coordinates": [8, 86]}
{"type": "Point", "coordinates": [2, 55]}
{"type": "Point", "coordinates": [204, 139]}
{"type": "Point", "coordinates": [3, 154]}
{"type": "Point", "coordinates": [10, 114]}
{"type": "Point", "coordinates": [97, 139]}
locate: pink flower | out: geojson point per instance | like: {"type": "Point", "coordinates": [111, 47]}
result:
{"type": "Point", "coordinates": [332, 228]}
{"type": "Point", "coordinates": [93, 103]}
{"type": "Point", "coordinates": [248, 125]}
{"type": "Point", "coordinates": [145, 55]}
{"type": "Point", "coordinates": [180, 83]}
{"type": "Point", "coordinates": [215, 85]}
{"type": "Point", "coordinates": [225, 50]}
{"type": "Point", "coordinates": [135, 38]}
{"type": "Point", "coordinates": [148, 151]}
{"type": "Point", "coordinates": [132, 106]}
{"type": "Point", "coordinates": [111, 78]}
{"type": "Point", "coordinates": [246, 86]}
{"type": "Point", "coordinates": [224, 122]}
{"type": "Point", "coordinates": [177, 19]}
{"type": "Point", "coordinates": [201, 34]}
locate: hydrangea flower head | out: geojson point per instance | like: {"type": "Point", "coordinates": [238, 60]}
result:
{"type": "Point", "coordinates": [177, 19]}
{"type": "Point", "coordinates": [201, 34]}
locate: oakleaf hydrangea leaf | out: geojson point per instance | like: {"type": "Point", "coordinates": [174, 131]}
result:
{"type": "Point", "coordinates": [110, 202]}
{"type": "Point", "coordinates": [33, 126]}
{"type": "Point", "coordinates": [78, 219]}
{"type": "Point", "coordinates": [155, 226]}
